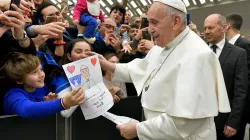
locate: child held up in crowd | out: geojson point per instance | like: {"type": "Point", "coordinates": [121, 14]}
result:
{"type": "Point", "coordinates": [87, 13]}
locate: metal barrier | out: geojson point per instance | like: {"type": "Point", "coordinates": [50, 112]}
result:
{"type": "Point", "coordinates": [76, 127]}
{"type": "Point", "coordinates": [15, 127]}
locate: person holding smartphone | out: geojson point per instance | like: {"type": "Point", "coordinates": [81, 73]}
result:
{"type": "Point", "coordinates": [13, 38]}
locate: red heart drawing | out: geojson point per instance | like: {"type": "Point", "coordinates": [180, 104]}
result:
{"type": "Point", "coordinates": [93, 61]}
{"type": "Point", "coordinates": [71, 69]}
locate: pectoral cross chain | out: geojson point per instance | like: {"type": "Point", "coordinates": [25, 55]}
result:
{"type": "Point", "coordinates": [146, 88]}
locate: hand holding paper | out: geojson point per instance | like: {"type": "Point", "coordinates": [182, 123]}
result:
{"type": "Point", "coordinates": [75, 97]}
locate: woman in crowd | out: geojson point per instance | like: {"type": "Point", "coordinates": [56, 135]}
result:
{"type": "Point", "coordinates": [74, 51]}
{"type": "Point", "coordinates": [117, 89]}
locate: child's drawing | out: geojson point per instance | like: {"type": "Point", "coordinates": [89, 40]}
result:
{"type": "Point", "coordinates": [87, 74]}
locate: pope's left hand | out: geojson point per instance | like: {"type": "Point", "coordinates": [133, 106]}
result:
{"type": "Point", "coordinates": [128, 130]}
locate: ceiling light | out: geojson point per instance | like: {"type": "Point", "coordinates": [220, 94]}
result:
{"type": "Point", "coordinates": [110, 2]}
{"type": "Point", "coordinates": [133, 4]}
{"type": "Point", "coordinates": [194, 2]}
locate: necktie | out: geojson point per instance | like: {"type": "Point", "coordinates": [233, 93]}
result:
{"type": "Point", "coordinates": [214, 47]}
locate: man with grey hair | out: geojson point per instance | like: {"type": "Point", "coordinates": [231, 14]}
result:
{"type": "Point", "coordinates": [233, 62]}
{"type": "Point", "coordinates": [180, 80]}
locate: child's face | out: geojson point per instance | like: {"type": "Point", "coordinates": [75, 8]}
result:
{"type": "Point", "coordinates": [116, 15]}
{"type": "Point", "coordinates": [34, 80]}
{"type": "Point", "coordinates": [113, 59]}
{"type": "Point", "coordinates": [132, 32]}
{"type": "Point", "coordinates": [79, 51]}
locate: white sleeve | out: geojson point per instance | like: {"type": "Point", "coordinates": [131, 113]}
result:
{"type": "Point", "coordinates": [66, 113]}
{"type": "Point", "coordinates": [121, 73]}
{"type": "Point", "coordinates": [168, 128]}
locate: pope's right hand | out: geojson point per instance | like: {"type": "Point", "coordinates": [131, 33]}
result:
{"type": "Point", "coordinates": [75, 97]}
{"type": "Point", "coordinates": [105, 64]}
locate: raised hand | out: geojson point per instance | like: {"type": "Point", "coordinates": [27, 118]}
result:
{"type": "Point", "coordinates": [126, 47]}
{"type": "Point", "coordinates": [53, 29]}
{"type": "Point", "coordinates": [50, 96]}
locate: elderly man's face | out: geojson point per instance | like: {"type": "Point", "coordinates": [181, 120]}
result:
{"type": "Point", "coordinates": [161, 26]}
{"type": "Point", "coordinates": [108, 25]}
{"type": "Point", "coordinates": [213, 30]}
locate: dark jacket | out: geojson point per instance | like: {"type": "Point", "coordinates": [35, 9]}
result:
{"type": "Point", "coordinates": [233, 62]}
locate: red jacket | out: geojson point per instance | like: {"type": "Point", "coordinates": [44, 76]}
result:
{"type": "Point", "coordinates": [81, 6]}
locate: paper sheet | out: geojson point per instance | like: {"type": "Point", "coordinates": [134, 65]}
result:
{"type": "Point", "coordinates": [87, 74]}
{"type": "Point", "coordinates": [118, 119]}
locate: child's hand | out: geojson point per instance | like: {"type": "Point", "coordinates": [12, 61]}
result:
{"type": "Point", "coordinates": [75, 97]}
{"type": "Point", "coordinates": [50, 96]}
{"type": "Point", "coordinates": [126, 47]}
{"type": "Point", "coordinates": [114, 91]}
{"type": "Point", "coordinates": [124, 28]}
{"type": "Point", "coordinates": [76, 22]}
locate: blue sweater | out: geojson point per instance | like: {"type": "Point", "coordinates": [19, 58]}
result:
{"type": "Point", "coordinates": [59, 83]}
{"type": "Point", "coordinates": [30, 105]}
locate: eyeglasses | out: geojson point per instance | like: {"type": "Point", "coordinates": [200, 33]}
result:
{"type": "Point", "coordinates": [108, 26]}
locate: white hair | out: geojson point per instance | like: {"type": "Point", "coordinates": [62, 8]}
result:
{"type": "Point", "coordinates": [171, 12]}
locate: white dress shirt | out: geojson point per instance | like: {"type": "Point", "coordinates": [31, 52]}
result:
{"type": "Point", "coordinates": [220, 46]}
{"type": "Point", "coordinates": [234, 39]}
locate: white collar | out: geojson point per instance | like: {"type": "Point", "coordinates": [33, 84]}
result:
{"type": "Point", "coordinates": [220, 44]}
{"type": "Point", "coordinates": [177, 40]}
{"type": "Point", "coordinates": [234, 39]}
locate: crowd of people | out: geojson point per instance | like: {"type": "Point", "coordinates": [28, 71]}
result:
{"type": "Point", "coordinates": [193, 87]}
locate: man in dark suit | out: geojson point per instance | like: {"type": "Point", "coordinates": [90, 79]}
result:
{"type": "Point", "coordinates": [234, 23]}
{"type": "Point", "coordinates": [233, 62]}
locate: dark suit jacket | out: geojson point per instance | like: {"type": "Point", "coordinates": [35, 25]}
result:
{"type": "Point", "coordinates": [245, 44]}
{"type": "Point", "coordinates": [233, 62]}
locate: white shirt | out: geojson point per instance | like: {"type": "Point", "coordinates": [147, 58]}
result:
{"type": "Point", "coordinates": [234, 39]}
{"type": "Point", "coordinates": [220, 46]}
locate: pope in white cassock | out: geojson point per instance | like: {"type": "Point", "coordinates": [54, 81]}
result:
{"type": "Point", "coordinates": [180, 80]}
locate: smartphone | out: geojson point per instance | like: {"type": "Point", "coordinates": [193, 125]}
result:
{"type": "Point", "coordinates": [144, 23]}
{"type": "Point", "coordinates": [146, 35]}
{"type": "Point", "coordinates": [50, 19]}
{"type": "Point", "coordinates": [188, 18]}
{"type": "Point", "coordinates": [16, 2]}
{"type": "Point", "coordinates": [117, 32]}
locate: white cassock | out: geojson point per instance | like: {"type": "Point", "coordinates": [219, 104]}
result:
{"type": "Point", "coordinates": [185, 91]}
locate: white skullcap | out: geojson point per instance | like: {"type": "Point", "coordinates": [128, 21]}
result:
{"type": "Point", "coordinates": [177, 4]}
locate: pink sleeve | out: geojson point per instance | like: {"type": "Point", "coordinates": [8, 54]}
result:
{"type": "Point", "coordinates": [81, 5]}
{"type": "Point", "coordinates": [101, 16]}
